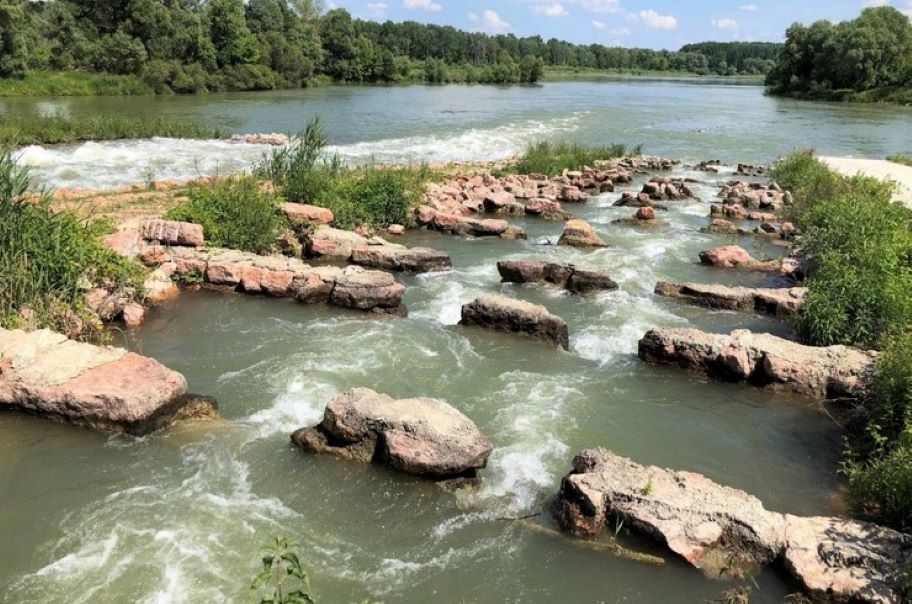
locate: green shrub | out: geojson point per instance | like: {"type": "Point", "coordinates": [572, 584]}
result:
{"type": "Point", "coordinates": [73, 83]}
{"type": "Point", "coordinates": [901, 158]}
{"type": "Point", "coordinates": [235, 213]}
{"type": "Point", "coordinates": [880, 490]}
{"type": "Point", "coordinates": [20, 130]}
{"type": "Point", "coordinates": [552, 159]}
{"type": "Point", "coordinates": [48, 259]}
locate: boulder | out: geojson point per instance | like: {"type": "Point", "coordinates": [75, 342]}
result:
{"type": "Point", "coordinates": [727, 532]}
{"type": "Point", "coordinates": [576, 279]}
{"type": "Point", "coordinates": [332, 244]}
{"type": "Point", "coordinates": [395, 229]}
{"type": "Point", "coordinates": [549, 210]}
{"type": "Point", "coordinates": [387, 257]}
{"type": "Point", "coordinates": [170, 232]}
{"type": "Point", "coordinates": [733, 256]}
{"type": "Point", "coordinates": [420, 436]}
{"type": "Point", "coordinates": [777, 301]}
{"type": "Point", "coordinates": [101, 387]}
{"type": "Point", "coordinates": [507, 314]}
{"type": "Point", "coordinates": [720, 226]}
{"type": "Point", "coordinates": [300, 213]}
{"type": "Point", "coordinates": [646, 213]}
{"type": "Point", "coordinates": [763, 360]}
{"type": "Point", "coordinates": [368, 290]}
{"type": "Point", "coordinates": [579, 233]}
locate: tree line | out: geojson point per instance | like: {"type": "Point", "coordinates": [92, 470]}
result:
{"type": "Point", "coordinates": [825, 60]}
{"type": "Point", "coordinates": [197, 45]}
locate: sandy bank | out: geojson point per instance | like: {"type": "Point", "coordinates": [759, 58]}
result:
{"type": "Point", "coordinates": [878, 168]}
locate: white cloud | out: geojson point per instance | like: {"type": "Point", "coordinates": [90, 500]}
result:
{"type": "Point", "coordinates": [656, 20]}
{"type": "Point", "coordinates": [492, 22]}
{"type": "Point", "coordinates": [378, 9]}
{"type": "Point", "coordinates": [474, 18]}
{"type": "Point", "coordinates": [425, 5]}
{"type": "Point", "coordinates": [876, 3]}
{"type": "Point", "coordinates": [729, 24]}
{"type": "Point", "coordinates": [598, 6]}
{"type": "Point", "coordinates": [749, 8]}
{"type": "Point", "coordinates": [550, 10]}
{"type": "Point", "coordinates": [599, 24]}
{"type": "Point", "coordinates": [623, 32]}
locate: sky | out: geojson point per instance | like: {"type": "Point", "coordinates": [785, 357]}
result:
{"type": "Point", "coordinates": [633, 23]}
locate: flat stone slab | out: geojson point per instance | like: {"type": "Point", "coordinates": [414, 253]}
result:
{"type": "Point", "coordinates": [575, 279]}
{"type": "Point", "coordinates": [420, 436]}
{"type": "Point", "coordinates": [727, 532]}
{"type": "Point", "coordinates": [101, 387]}
{"type": "Point", "coordinates": [516, 316]}
{"type": "Point", "coordinates": [396, 258]}
{"type": "Point", "coordinates": [776, 301]}
{"type": "Point", "coordinates": [171, 232]}
{"type": "Point", "coordinates": [763, 360]}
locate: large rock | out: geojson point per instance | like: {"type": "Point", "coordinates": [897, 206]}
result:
{"type": "Point", "coordinates": [171, 232]}
{"type": "Point", "coordinates": [101, 387]}
{"type": "Point", "coordinates": [727, 532]}
{"type": "Point", "coordinates": [576, 279]}
{"type": "Point", "coordinates": [733, 256]}
{"type": "Point", "coordinates": [368, 290]}
{"type": "Point", "coordinates": [763, 360]}
{"type": "Point", "coordinates": [300, 213]}
{"type": "Point", "coordinates": [777, 301]}
{"type": "Point", "coordinates": [396, 258]}
{"type": "Point", "coordinates": [420, 436]}
{"type": "Point", "coordinates": [579, 233]}
{"type": "Point", "coordinates": [507, 314]}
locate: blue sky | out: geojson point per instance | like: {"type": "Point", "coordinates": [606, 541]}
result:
{"type": "Point", "coordinates": [642, 23]}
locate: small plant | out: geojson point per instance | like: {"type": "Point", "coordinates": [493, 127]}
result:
{"type": "Point", "coordinates": [190, 278]}
{"type": "Point", "coordinates": [648, 488]}
{"type": "Point", "coordinates": [283, 579]}
{"type": "Point", "coordinates": [901, 158]}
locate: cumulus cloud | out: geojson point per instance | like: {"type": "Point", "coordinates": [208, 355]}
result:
{"type": "Point", "coordinates": [425, 5]}
{"type": "Point", "coordinates": [599, 24]}
{"type": "Point", "coordinates": [490, 21]}
{"type": "Point", "coordinates": [377, 9]}
{"type": "Point", "coordinates": [729, 24]}
{"type": "Point", "coordinates": [555, 9]}
{"type": "Point", "coordinates": [598, 6]}
{"type": "Point", "coordinates": [656, 20]}
{"type": "Point", "coordinates": [876, 3]}
{"type": "Point", "coordinates": [749, 8]}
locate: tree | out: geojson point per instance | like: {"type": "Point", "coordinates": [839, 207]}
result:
{"type": "Point", "coordinates": [13, 53]}
{"type": "Point", "coordinates": [233, 42]}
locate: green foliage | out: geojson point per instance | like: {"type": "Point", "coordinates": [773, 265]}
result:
{"type": "Point", "coordinates": [52, 83]}
{"type": "Point", "coordinates": [283, 579]}
{"type": "Point", "coordinates": [861, 242]}
{"type": "Point", "coordinates": [48, 259]}
{"type": "Point", "coordinates": [901, 158]}
{"type": "Point", "coordinates": [880, 490]}
{"type": "Point", "coordinates": [235, 213]}
{"type": "Point", "coordinates": [873, 54]}
{"type": "Point", "coordinates": [553, 158]}
{"type": "Point", "coordinates": [20, 130]}
{"type": "Point", "coordinates": [13, 49]}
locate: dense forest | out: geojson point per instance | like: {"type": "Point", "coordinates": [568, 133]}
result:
{"type": "Point", "coordinates": [196, 45]}
{"type": "Point", "coordinates": [869, 58]}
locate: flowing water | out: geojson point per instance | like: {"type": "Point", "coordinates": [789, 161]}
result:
{"type": "Point", "coordinates": [178, 516]}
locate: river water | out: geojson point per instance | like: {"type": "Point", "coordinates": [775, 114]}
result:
{"type": "Point", "coordinates": [179, 516]}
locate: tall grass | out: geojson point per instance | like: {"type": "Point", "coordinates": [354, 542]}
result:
{"type": "Point", "coordinates": [48, 259]}
{"type": "Point", "coordinates": [900, 158]}
{"type": "Point", "coordinates": [552, 159]}
{"type": "Point", "coordinates": [236, 213]}
{"type": "Point", "coordinates": [73, 83]}
{"type": "Point", "coordinates": [18, 130]}
{"type": "Point", "coordinates": [370, 195]}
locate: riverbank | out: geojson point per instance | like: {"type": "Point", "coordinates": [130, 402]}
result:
{"type": "Point", "coordinates": [880, 169]}
{"type": "Point", "coordinates": [16, 131]}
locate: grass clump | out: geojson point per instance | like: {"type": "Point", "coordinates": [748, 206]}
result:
{"type": "Point", "coordinates": [552, 159]}
{"type": "Point", "coordinates": [15, 131]}
{"type": "Point", "coordinates": [49, 259]}
{"type": "Point", "coordinates": [861, 291]}
{"type": "Point", "coordinates": [73, 83]}
{"type": "Point", "coordinates": [237, 213]}
{"type": "Point", "coordinates": [901, 158]}
{"type": "Point", "coordinates": [370, 195]}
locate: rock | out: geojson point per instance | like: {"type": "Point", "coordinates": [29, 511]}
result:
{"type": "Point", "coordinates": [568, 276]}
{"type": "Point", "coordinates": [646, 213]}
{"type": "Point", "coordinates": [133, 315]}
{"type": "Point", "coordinates": [720, 226]}
{"type": "Point", "coordinates": [418, 259]}
{"type": "Point", "coordinates": [579, 233]}
{"type": "Point", "coordinates": [420, 436]}
{"type": "Point", "coordinates": [126, 242]}
{"type": "Point", "coordinates": [334, 244]}
{"type": "Point", "coordinates": [171, 232]}
{"type": "Point", "coordinates": [274, 139]}
{"type": "Point", "coordinates": [506, 314]}
{"type": "Point", "coordinates": [368, 290]}
{"type": "Point", "coordinates": [749, 170]}
{"type": "Point", "coordinates": [96, 386]}
{"type": "Point", "coordinates": [288, 244]}
{"type": "Point", "coordinates": [763, 360]}
{"type": "Point", "coordinates": [549, 210]}
{"type": "Point", "coordinates": [299, 213]}
{"type": "Point", "coordinates": [715, 528]}
{"type": "Point", "coordinates": [159, 287]}
{"type": "Point", "coordinates": [395, 229]}
{"type": "Point", "coordinates": [733, 256]}
{"type": "Point", "coordinates": [570, 194]}
{"type": "Point", "coordinates": [778, 301]}
{"type": "Point", "coordinates": [727, 532]}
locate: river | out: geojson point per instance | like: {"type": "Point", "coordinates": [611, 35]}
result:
{"type": "Point", "coordinates": [179, 516]}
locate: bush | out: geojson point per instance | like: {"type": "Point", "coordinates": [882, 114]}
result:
{"type": "Point", "coordinates": [235, 213]}
{"type": "Point", "coordinates": [552, 159]}
{"type": "Point", "coordinates": [48, 259]}
{"type": "Point", "coordinates": [881, 490]}
{"type": "Point", "coordinates": [901, 158]}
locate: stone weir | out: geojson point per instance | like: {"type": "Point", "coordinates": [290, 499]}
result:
{"type": "Point", "coordinates": [776, 301]}
{"type": "Point", "coordinates": [763, 360]}
{"type": "Point", "coordinates": [726, 532]}
{"type": "Point", "coordinates": [101, 387]}
{"type": "Point", "coordinates": [278, 276]}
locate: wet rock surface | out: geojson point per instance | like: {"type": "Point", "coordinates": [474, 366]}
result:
{"type": "Point", "coordinates": [575, 279]}
{"type": "Point", "coordinates": [777, 301]}
{"type": "Point", "coordinates": [420, 436]}
{"type": "Point", "coordinates": [579, 233]}
{"type": "Point", "coordinates": [100, 387]}
{"type": "Point", "coordinates": [763, 360]}
{"type": "Point", "coordinates": [500, 313]}
{"type": "Point", "coordinates": [727, 532]}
